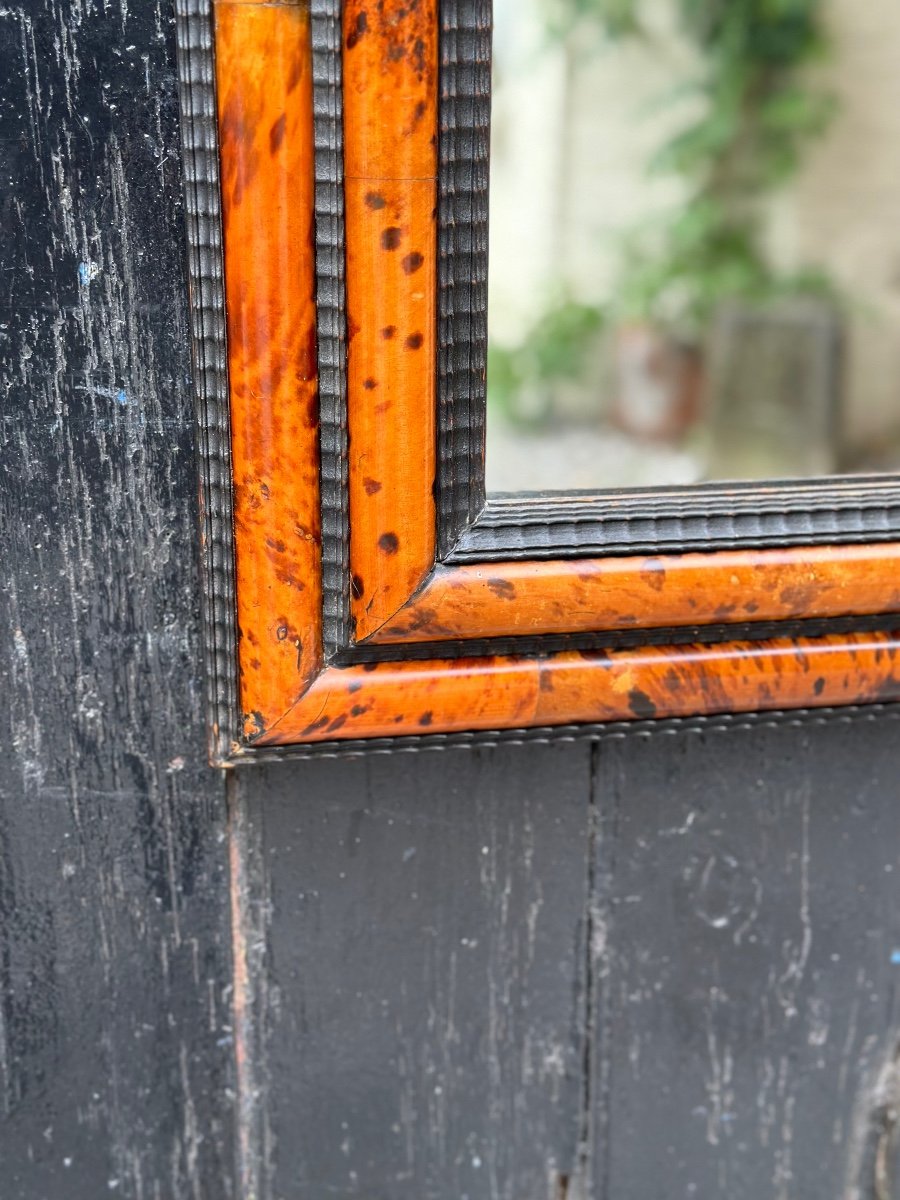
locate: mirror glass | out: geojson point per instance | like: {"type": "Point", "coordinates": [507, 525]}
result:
{"type": "Point", "coordinates": [694, 241]}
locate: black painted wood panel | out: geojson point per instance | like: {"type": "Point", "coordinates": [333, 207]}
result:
{"type": "Point", "coordinates": [115, 1028]}
{"type": "Point", "coordinates": [422, 993]}
{"type": "Point", "coordinates": [653, 967]}
{"type": "Point", "coordinates": [746, 1019]}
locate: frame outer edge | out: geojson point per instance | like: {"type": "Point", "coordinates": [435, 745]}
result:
{"type": "Point", "coordinates": [200, 158]}
{"type": "Point", "coordinates": [611, 731]}
{"type": "Point", "coordinates": [461, 444]}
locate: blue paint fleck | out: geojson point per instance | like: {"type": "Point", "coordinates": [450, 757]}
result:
{"type": "Point", "coordinates": [895, 958]}
{"type": "Point", "coordinates": [121, 397]}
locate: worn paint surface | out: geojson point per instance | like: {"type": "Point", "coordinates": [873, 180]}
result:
{"type": "Point", "coordinates": [390, 162]}
{"type": "Point", "coordinates": [745, 1022]}
{"type": "Point", "coordinates": [421, 999]}
{"type": "Point", "coordinates": [115, 1026]}
{"type": "Point", "coordinates": [662, 966]}
{"type": "Point", "coordinates": [441, 696]}
{"type": "Point", "coordinates": [264, 87]}
{"type": "Point", "coordinates": [581, 595]}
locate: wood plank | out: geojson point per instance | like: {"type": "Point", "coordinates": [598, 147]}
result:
{"type": "Point", "coordinates": [114, 943]}
{"type": "Point", "coordinates": [747, 936]}
{"type": "Point", "coordinates": [420, 992]}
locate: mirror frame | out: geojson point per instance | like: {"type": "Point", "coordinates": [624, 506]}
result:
{"type": "Point", "coordinates": [360, 589]}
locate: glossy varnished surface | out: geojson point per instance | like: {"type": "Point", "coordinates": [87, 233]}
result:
{"type": "Point", "coordinates": [389, 60]}
{"type": "Point", "coordinates": [581, 595]}
{"type": "Point", "coordinates": [390, 135]}
{"type": "Point", "coordinates": [263, 73]}
{"type": "Point", "coordinates": [385, 699]}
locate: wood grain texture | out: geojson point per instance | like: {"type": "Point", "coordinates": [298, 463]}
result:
{"type": "Point", "coordinates": [115, 1027]}
{"type": "Point", "coordinates": [731, 893]}
{"type": "Point", "coordinates": [390, 162]}
{"type": "Point", "coordinates": [264, 80]}
{"type": "Point", "coordinates": [745, 1017]}
{"type": "Point", "coordinates": [386, 699]}
{"type": "Point", "coordinates": [584, 595]}
{"type": "Point", "coordinates": [419, 973]}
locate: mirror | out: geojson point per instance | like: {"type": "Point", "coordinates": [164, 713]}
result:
{"type": "Point", "coordinates": [694, 244]}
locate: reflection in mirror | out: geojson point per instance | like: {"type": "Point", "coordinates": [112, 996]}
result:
{"type": "Point", "coordinates": [694, 246]}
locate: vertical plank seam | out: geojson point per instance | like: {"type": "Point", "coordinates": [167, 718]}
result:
{"type": "Point", "coordinates": [584, 1151]}
{"type": "Point", "coordinates": [249, 906]}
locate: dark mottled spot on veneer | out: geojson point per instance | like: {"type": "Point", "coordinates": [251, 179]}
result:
{"type": "Point", "coordinates": [390, 237]}
{"type": "Point", "coordinates": [502, 589]}
{"type": "Point", "coordinates": [426, 718]}
{"type": "Point", "coordinates": [641, 704]}
{"type": "Point", "coordinates": [276, 133]}
{"type": "Point", "coordinates": [414, 341]}
{"type": "Point", "coordinates": [653, 573]}
{"type": "Point", "coordinates": [296, 73]}
{"type": "Point", "coordinates": [389, 543]}
{"type": "Point", "coordinates": [375, 201]}
{"type": "Point", "coordinates": [412, 262]}
{"type": "Point", "coordinates": [254, 724]}
{"type": "Point", "coordinates": [362, 24]}
{"type": "Point", "coordinates": [371, 485]}
{"type": "Point", "coordinates": [388, 332]}
{"type": "Point", "coordinates": [369, 384]}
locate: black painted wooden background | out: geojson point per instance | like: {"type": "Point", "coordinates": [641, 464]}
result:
{"type": "Point", "coordinates": [638, 970]}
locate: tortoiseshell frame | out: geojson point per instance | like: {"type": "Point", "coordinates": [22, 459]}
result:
{"type": "Point", "coordinates": [674, 641]}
